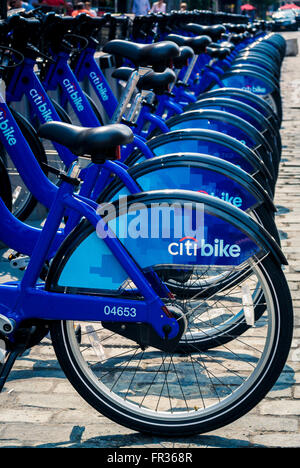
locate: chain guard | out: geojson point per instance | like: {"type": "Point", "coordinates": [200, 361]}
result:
{"type": "Point", "coordinates": [144, 334]}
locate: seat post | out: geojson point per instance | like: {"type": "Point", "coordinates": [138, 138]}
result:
{"type": "Point", "coordinates": [127, 94]}
{"type": "Point", "coordinates": [190, 69]}
{"type": "Point", "coordinates": [143, 96]}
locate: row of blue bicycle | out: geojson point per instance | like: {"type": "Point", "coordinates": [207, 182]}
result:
{"type": "Point", "coordinates": [158, 269]}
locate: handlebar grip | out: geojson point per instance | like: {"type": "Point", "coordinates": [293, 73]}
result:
{"type": "Point", "coordinates": [87, 25]}
{"type": "Point", "coordinates": [3, 29]}
{"type": "Point", "coordinates": [24, 30]}
{"type": "Point", "coordinates": [17, 21]}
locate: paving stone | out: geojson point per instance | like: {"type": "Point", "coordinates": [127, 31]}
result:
{"type": "Point", "coordinates": [39, 407]}
{"type": "Point", "coordinates": [52, 400]}
{"type": "Point", "coordinates": [277, 440]}
{"type": "Point", "coordinates": [39, 434]}
{"type": "Point", "coordinates": [32, 385]}
{"type": "Point", "coordinates": [81, 417]}
{"type": "Point", "coordinates": [24, 415]}
{"type": "Point", "coordinates": [258, 423]}
{"type": "Point", "coordinates": [280, 407]}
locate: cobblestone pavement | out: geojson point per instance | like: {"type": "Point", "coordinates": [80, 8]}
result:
{"type": "Point", "coordinates": [39, 408]}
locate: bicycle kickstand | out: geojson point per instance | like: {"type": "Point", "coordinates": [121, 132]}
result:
{"type": "Point", "coordinates": [14, 354]}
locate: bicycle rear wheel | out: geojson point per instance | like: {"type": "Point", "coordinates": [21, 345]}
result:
{"type": "Point", "coordinates": [182, 393]}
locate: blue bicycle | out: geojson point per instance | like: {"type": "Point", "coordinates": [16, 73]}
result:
{"type": "Point", "coordinates": [213, 67]}
{"type": "Point", "coordinates": [44, 192]}
{"type": "Point", "coordinates": [110, 278]}
{"type": "Point", "coordinates": [149, 296]}
{"type": "Point", "coordinates": [31, 83]}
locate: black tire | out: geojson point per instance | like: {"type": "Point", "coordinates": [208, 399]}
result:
{"type": "Point", "coordinates": [5, 186]}
{"type": "Point", "coordinates": [95, 109]}
{"type": "Point", "coordinates": [264, 216]}
{"type": "Point", "coordinates": [250, 98]}
{"type": "Point", "coordinates": [69, 112]}
{"type": "Point", "coordinates": [234, 123]}
{"type": "Point", "coordinates": [274, 99]}
{"type": "Point", "coordinates": [25, 203]}
{"type": "Point", "coordinates": [194, 377]}
{"type": "Point", "coordinates": [64, 117]}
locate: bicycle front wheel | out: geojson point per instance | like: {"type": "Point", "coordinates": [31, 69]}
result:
{"type": "Point", "coordinates": [182, 393]}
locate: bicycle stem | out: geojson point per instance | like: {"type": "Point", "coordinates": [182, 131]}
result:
{"type": "Point", "coordinates": [127, 94]}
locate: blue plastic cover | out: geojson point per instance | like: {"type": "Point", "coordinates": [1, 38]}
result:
{"type": "Point", "coordinates": [165, 235]}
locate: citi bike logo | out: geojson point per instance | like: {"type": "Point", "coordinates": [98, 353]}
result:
{"type": "Point", "coordinates": [192, 248]}
{"type": "Point", "coordinates": [41, 105]}
{"type": "Point", "coordinates": [6, 129]}
{"type": "Point", "coordinates": [255, 89]}
{"type": "Point", "coordinates": [74, 94]}
{"type": "Point", "coordinates": [99, 85]}
{"type": "Point", "coordinates": [225, 196]}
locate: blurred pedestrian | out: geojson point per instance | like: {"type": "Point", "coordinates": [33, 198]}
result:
{"type": "Point", "coordinates": [16, 4]}
{"type": "Point", "coordinates": [183, 6]}
{"type": "Point", "coordinates": [69, 8]}
{"type": "Point", "coordinates": [54, 3]}
{"type": "Point", "coordinates": [159, 7]}
{"type": "Point", "coordinates": [140, 7]}
{"type": "Point", "coordinates": [88, 6]}
{"type": "Point", "coordinates": [79, 9]}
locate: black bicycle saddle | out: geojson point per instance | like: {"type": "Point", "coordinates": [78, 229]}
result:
{"type": "Point", "coordinates": [198, 44]}
{"type": "Point", "coordinates": [100, 142]}
{"type": "Point", "coordinates": [214, 32]}
{"type": "Point", "coordinates": [159, 55]}
{"type": "Point", "coordinates": [158, 82]}
{"type": "Point", "coordinates": [219, 53]}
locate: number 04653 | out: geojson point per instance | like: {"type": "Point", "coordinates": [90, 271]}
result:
{"type": "Point", "coordinates": [120, 311]}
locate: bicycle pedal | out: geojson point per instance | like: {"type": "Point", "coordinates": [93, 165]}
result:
{"type": "Point", "coordinates": [6, 325]}
{"type": "Point", "coordinates": [18, 261]}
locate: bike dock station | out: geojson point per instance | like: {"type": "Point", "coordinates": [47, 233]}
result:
{"type": "Point", "coordinates": [38, 405]}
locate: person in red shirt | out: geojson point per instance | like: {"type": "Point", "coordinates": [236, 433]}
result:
{"type": "Point", "coordinates": [54, 3]}
{"type": "Point", "coordinates": [79, 8]}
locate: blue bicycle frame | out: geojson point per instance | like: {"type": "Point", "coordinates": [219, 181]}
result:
{"type": "Point", "coordinates": [61, 77]}
{"type": "Point", "coordinates": [19, 236]}
{"type": "Point", "coordinates": [24, 82]}
{"type": "Point", "coordinates": [28, 299]}
{"type": "Point", "coordinates": [86, 68]}
{"type": "Point", "coordinates": [32, 88]}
